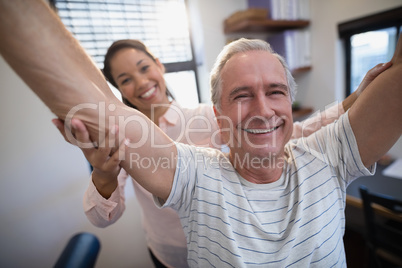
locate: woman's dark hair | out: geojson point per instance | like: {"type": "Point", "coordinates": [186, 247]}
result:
{"type": "Point", "coordinates": [113, 49]}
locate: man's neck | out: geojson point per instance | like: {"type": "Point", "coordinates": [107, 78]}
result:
{"type": "Point", "coordinates": [258, 170]}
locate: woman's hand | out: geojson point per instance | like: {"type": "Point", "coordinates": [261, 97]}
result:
{"type": "Point", "coordinates": [105, 163]}
{"type": "Point", "coordinates": [371, 75]}
{"type": "Point", "coordinates": [368, 78]}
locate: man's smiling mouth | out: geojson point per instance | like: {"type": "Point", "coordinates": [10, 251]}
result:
{"type": "Point", "coordinates": [260, 131]}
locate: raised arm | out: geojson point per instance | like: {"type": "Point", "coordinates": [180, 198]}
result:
{"type": "Point", "coordinates": [51, 62]}
{"type": "Point", "coordinates": [376, 116]}
{"type": "Point", "coordinates": [318, 120]}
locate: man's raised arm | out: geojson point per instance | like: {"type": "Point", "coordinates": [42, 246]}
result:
{"type": "Point", "coordinates": [376, 116]}
{"type": "Point", "coordinates": [44, 54]}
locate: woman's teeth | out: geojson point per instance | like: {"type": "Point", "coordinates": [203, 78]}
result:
{"type": "Point", "coordinates": [148, 93]}
{"type": "Point", "coordinates": [260, 131]}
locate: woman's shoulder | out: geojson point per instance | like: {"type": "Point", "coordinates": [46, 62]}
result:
{"type": "Point", "coordinates": [200, 109]}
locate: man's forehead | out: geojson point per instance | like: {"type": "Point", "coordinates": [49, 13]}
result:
{"type": "Point", "coordinates": [252, 61]}
{"type": "Point", "coordinates": [251, 53]}
{"type": "Point", "coordinates": [253, 66]}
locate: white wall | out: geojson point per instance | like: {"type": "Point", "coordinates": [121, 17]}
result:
{"type": "Point", "coordinates": [42, 178]}
{"type": "Point", "coordinates": [210, 33]}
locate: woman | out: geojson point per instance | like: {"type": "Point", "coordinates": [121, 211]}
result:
{"type": "Point", "coordinates": [138, 75]}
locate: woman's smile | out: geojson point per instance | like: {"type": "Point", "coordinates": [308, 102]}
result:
{"type": "Point", "coordinates": [149, 93]}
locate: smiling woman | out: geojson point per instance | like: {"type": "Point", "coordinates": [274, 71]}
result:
{"type": "Point", "coordinates": [155, 23]}
{"type": "Point", "coordinates": [138, 75]}
{"type": "Point", "coordinates": [131, 67]}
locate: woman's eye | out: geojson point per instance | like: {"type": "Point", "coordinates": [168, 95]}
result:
{"type": "Point", "coordinates": [125, 81]}
{"type": "Point", "coordinates": [144, 68]}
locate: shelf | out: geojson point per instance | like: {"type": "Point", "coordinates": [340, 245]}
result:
{"type": "Point", "coordinates": [301, 113]}
{"type": "Point", "coordinates": [301, 70]}
{"type": "Point", "coordinates": [250, 25]}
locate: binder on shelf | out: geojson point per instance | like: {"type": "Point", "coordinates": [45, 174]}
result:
{"type": "Point", "coordinates": [283, 9]}
{"type": "Point", "coordinates": [294, 46]}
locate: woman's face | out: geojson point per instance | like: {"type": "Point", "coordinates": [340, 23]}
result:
{"type": "Point", "coordinates": [139, 78]}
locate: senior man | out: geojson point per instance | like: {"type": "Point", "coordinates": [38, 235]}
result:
{"type": "Point", "coordinates": [267, 203]}
{"type": "Point", "coordinates": [271, 202]}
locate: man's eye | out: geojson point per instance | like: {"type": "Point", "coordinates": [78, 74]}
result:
{"type": "Point", "coordinates": [278, 92]}
{"type": "Point", "coordinates": [240, 97]}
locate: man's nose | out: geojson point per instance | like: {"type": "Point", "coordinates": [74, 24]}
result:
{"type": "Point", "coordinates": [261, 106]}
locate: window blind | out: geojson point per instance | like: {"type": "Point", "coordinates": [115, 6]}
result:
{"type": "Point", "coordinates": [162, 25]}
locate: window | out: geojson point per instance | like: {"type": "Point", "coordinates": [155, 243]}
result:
{"type": "Point", "coordinates": [162, 25]}
{"type": "Point", "coordinates": [367, 42]}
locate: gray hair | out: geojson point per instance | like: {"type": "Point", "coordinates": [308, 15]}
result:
{"type": "Point", "coordinates": [239, 46]}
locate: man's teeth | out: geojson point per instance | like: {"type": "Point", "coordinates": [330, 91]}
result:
{"type": "Point", "coordinates": [260, 131]}
{"type": "Point", "coordinates": [148, 93]}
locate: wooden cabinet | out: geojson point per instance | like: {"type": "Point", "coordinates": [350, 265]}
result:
{"type": "Point", "coordinates": [258, 25]}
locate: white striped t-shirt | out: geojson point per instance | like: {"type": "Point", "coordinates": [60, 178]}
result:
{"type": "Point", "coordinates": [297, 221]}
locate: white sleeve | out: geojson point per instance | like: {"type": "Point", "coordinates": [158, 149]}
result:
{"type": "Point", "coordinates": [336, 145]}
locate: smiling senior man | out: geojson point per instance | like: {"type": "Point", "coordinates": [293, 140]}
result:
{"type": "Point", "coordinates": [269, 202]}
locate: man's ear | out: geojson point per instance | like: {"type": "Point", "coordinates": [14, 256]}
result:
{"type": "Point", "coordinates": [217, 116]}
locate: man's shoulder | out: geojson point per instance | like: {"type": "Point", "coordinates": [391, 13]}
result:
{"type": "Point", "coordinates": [207, 158]}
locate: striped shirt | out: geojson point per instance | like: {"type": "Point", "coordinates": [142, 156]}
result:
{"type": "Point", "coordinates": [296, 221]}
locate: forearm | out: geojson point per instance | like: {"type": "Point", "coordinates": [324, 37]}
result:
{"type": "Point", "coordinates": [104, 185]}
{"type": "Point", "coordinates": [50, 61]}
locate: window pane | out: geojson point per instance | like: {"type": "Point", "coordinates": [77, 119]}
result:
{"type": "Point", "coordinates": [183, 87]}
{"type": "Point", "coordinates": [369, 49]}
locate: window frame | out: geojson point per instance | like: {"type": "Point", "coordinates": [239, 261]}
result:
{"type": "Point", "coordinates": [172, 67]}
{"type": "Point", "coordinates": [386, 19]}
